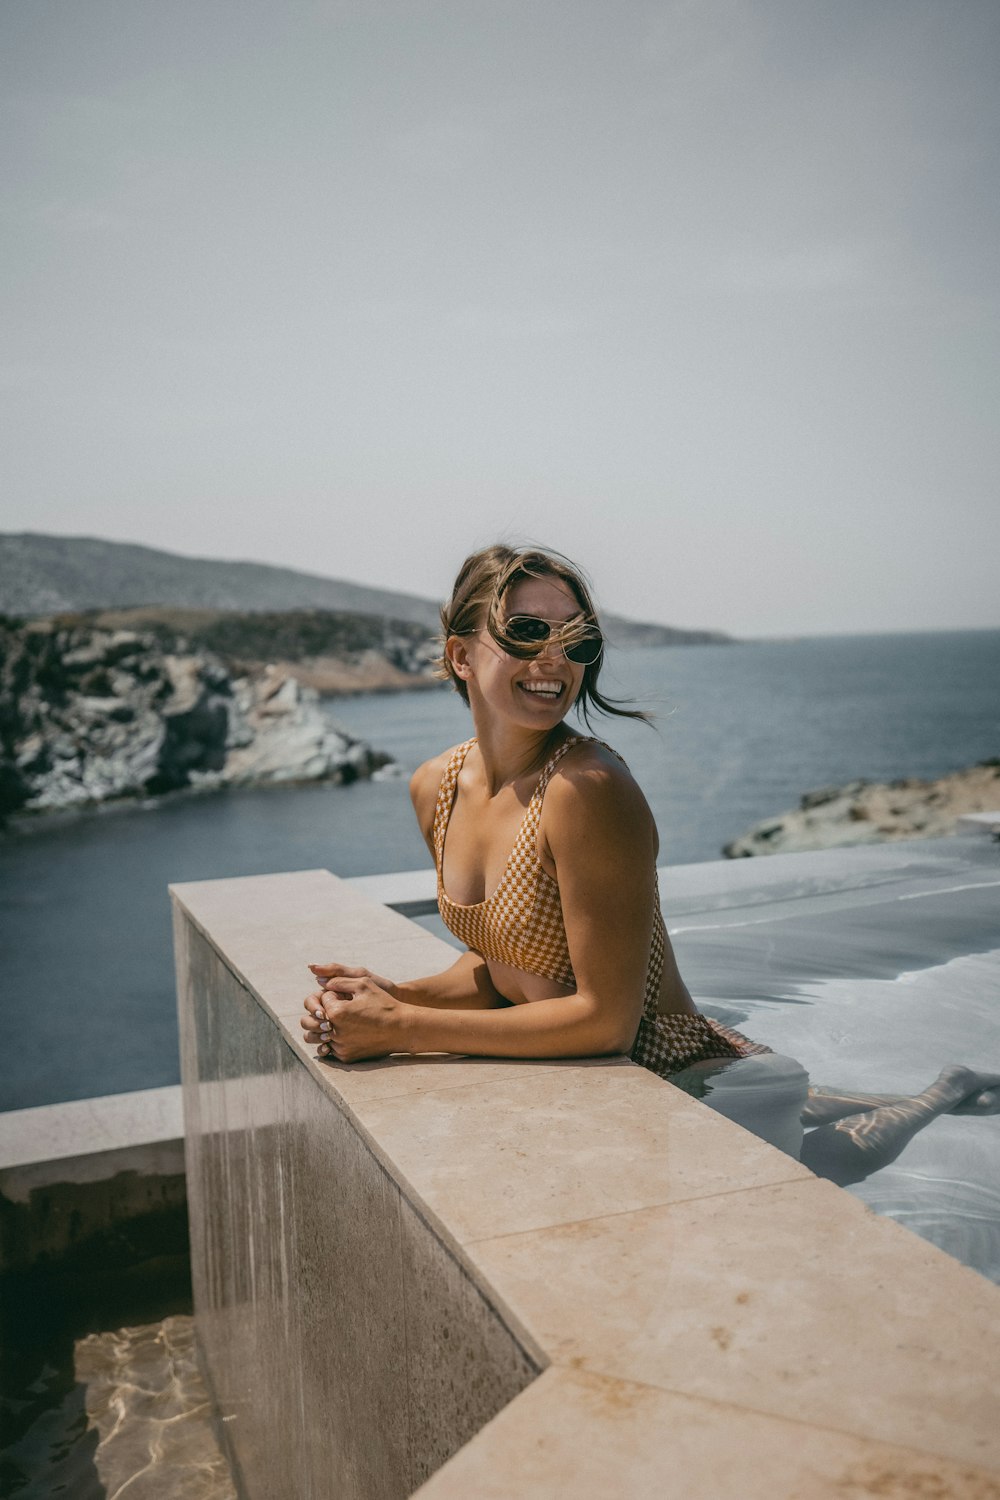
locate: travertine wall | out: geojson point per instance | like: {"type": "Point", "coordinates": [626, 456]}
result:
{"type": "Point", "coordinates": [568, 1275]}
{"type": "Point", "coordinates": [349, 1351]}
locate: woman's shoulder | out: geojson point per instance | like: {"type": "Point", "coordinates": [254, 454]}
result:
{"type": "Point", "coordinates": [592, 785]}
{"type": "Point", "coordinates": [426, 780]}
{"type": "Point", "coordinates": [588, 761]}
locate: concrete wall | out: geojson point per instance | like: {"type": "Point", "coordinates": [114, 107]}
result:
{"type": "Point", "coordinates": [349, 1347]}
{"type": "Point", "coordinates": [563, 1278]}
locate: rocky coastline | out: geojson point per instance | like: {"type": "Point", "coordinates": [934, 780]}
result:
{"type": "Point", "coordinates": [870, 812]}
{"type": "Point", "coordinates": [336, 652]}
{"type": "Point", "coordinates": [91, 715]}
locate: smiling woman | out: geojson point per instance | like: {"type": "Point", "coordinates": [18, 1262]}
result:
{"type": "Point", "coordinates": [545, 851]}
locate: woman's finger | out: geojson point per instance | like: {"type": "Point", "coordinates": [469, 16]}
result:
{"type": "Point", "coordinates": [344, 988]}
{"type": "Point", "coordinates": [315, 1031]}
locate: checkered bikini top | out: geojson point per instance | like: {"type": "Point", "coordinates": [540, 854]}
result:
{"type": "Point", "coordinates": [521, 923]}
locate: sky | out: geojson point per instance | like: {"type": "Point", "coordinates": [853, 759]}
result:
{"type": "Point", "coordinates": [703, 293]}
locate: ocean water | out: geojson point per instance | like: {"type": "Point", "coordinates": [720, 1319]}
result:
{"type": "Point", "coordinates": [742, 731]}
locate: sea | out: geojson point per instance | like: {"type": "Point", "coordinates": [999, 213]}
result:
{"type": "Point", "coordinates": [740, 733]}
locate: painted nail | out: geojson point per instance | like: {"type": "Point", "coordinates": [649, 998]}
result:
{"type": "Point", "coordinates": [324, 1026]}
{"type": "Point", "coordinates": [319, 1014]}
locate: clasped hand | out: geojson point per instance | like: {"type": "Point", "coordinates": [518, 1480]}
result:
{"type": "Point", "coordinates": [355, 1014]}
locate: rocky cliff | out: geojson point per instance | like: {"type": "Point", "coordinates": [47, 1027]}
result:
{"type": "Point", "coordinates": [868, 812]}
{"type": "Point", "coordinates": [90, 714]}
{"type": "Point", "coordinates": [333, 651]}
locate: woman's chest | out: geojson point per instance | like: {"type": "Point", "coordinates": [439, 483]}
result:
{"type": "Point", "coordinates": [480, 838]}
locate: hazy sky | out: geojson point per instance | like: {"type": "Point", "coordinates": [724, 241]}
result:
{"type": "Point", "coordinates": [703, 292]}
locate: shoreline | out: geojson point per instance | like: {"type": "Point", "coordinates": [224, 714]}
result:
{"type": "Point", "coordinates": [25, 825]}
{"type": "Point", "coordinates": [874, 812]}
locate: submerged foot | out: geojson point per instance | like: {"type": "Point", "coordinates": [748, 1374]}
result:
{"type": "Point", "coordinates": [977, 1093]}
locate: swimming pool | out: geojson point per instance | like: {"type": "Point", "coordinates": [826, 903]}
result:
{"type": "Point", "coordinates": [873, 968]}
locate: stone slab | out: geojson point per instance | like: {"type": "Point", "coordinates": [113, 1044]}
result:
{"type": "Point", "coordinates": [350, 1350]}
{"type": "Point", "coordinates": [578, 1141]}
{"type": "Point", "coordinates": [791, 1299]}
{"type": "Point", "coordinates": [83, 1127]}
{"type": "Point", "coordinates": [621, 1438]}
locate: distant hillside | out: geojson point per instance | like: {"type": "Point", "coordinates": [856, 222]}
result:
{"type": "Point", "coordinates": [48, 575]}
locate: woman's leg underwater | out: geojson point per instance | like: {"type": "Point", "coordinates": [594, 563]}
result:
{"type": "Point", "coordinates": [851, 1143]}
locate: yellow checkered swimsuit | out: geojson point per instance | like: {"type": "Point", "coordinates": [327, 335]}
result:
{"type": "Point", "coordinates": [521, 924]}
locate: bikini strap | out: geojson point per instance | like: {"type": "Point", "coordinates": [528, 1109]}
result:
{"type": "Point", "coordinates": [446, 798]}
{"type": "Point", "coordinates": [534, 812]}
{"type": "Point", "coordinates": [556, 757]}
{"type": "Point", "coordinates": [529, 827]}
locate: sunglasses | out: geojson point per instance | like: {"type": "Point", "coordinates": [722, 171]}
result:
{"type": "Point", "coordinates": [527, 635]}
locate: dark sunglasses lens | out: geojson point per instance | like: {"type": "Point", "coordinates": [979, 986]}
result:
{"type": "Point", "coordinates": [526, 630]}
{"type": "Point", "coordinates": [585, 652]}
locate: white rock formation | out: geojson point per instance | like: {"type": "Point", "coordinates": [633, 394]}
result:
{"type": "Point", "coordinates": [88, 715]}
{"type": "Point", "coordinates": [869, 812]}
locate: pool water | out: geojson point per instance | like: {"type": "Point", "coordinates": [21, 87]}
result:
{"type": "Point", "coordinates": [871, 970]}
{"type": "Point", "coordinates": [148, 1408]}
{"type": "Point", "coordinates": [100, 1392]}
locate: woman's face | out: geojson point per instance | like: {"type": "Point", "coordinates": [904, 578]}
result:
{"type": "Point", "coordinates": [540, 690]}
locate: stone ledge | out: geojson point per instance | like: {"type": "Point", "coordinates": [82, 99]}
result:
{"type": "Point", "coordinates": [592, 1436]}
{"type": "Point", "coordinates": [80, 1128]}
{"type": "Point", "coordinates": [675, 1274]}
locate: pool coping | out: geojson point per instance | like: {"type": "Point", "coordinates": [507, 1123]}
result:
{"type": "Point", "coordinates": [693, 1295]}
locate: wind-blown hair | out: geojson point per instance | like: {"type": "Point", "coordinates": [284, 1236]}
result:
{"type": "Point", "coordinates": [477, 600]}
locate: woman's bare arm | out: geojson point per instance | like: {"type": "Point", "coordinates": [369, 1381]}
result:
{"type": "Point", "coordinates": [466, 985]}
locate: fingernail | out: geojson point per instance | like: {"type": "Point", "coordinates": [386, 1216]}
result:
{"type": "Point", "coordinates": [324, 1026]}
{"type": "Point", "coordinates": [322, 1050]}
{"type": "Point", "coordinates": [319, 1014]}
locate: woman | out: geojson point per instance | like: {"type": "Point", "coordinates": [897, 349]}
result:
{"type": "Point", "coordinates": [545, 850]}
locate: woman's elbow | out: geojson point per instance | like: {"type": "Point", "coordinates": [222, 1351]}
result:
{"type": "Point", "coordinates": [611, 1035]}
{"type": "Point", "coordinates": [622, 1041]}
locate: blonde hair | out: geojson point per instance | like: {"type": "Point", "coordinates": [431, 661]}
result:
{"type": "Point", "coordinates": [477, 600]}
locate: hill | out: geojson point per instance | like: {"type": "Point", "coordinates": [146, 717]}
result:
{"type": "Point", "coordinates": [46, 575]}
